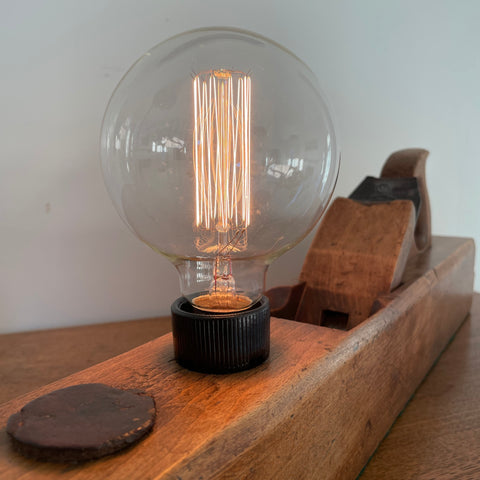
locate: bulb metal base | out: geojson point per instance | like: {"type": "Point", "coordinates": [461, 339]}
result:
{"type": "Point", "coordinates": [220, 343]}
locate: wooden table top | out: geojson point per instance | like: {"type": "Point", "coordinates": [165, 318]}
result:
{"type": "Point", "coordinates": [436, 437]}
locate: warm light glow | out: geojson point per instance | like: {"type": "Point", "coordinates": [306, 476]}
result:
{"type": "Point", "coordinates": [222, 150]}
{"type": "Point", "coordinates": [222, 302]}
{"type": "Point", "coordinates": [221, 156]}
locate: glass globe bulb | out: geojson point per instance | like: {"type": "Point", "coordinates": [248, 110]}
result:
{"type": "Point", "coordinates": [219, 152]}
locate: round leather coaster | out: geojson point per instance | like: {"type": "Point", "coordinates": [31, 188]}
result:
{"type": "Point", "coordinates": [81, 423]}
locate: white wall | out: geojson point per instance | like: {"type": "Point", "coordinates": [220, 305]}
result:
{"type": "Point", "coordinates": [398, 74]}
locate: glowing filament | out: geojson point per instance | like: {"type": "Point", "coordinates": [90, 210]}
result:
{"type": "Point", "coordinates": [221, 151]}
{"type": "Point", "coordinates": [221, 157]}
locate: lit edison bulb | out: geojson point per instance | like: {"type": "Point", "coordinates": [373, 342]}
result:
{"type": "Point", "coordinates": [219, 152]}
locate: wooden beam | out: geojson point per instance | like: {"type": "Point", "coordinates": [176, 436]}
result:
{"type": "Point", "coordinates": [316, 409]}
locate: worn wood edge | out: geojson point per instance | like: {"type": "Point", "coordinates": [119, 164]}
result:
{"type": "Point", "coordinates": [436, 434]}
{"type": "Point", "coordinates": [348, 464]}
{"type": "Point", "coordinates": [448, 282]}
{"type": "Point", "coordinates": [411, 162]}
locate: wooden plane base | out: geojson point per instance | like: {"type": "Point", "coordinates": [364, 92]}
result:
{"type": "Point", "coordinates": [317, 408]}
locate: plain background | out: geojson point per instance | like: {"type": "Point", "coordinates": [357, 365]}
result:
{"type": "Point", "coordinates": [397, 73]}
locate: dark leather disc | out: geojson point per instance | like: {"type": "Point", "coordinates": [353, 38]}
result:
{"type": "Point", "coordinates": [81, 422]}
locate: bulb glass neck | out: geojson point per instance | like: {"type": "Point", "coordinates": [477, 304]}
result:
{"type": "Point", "coordinates": [222, 284]}
{"type": "Point", "coordinates": [222, 295]}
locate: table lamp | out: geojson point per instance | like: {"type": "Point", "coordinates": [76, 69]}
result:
{"type": "Point", "coordinates": [219, 152]}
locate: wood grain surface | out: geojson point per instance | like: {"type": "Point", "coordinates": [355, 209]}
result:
{"type": "Point", "coordinates": [437, 436]}
{"type": "Point", "coordinates": [316, 409]}
{"type": "Point", "coordinates": [359, 252]}
{"type": "Point", "coordinates": [30, 360]}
